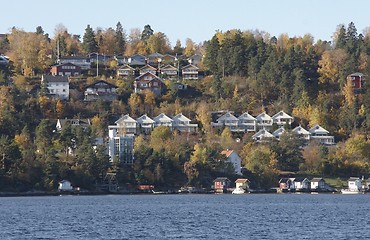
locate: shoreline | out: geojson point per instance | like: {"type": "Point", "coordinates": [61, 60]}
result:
{"type": "Point", "coordinates": [97, 193]}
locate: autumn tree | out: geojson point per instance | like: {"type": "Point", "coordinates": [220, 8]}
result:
{"type": "Point", "coordinates": [226, 138]}
{"type": "Point", "coordinates": [331, 66]}
{"type": "Point", "coordinates": [159, 137]}
{"type": "Point", "coordinates": [135, 104]}
{"type": "Point", "coordinates": [189, 48]}
{"type": "Point", "coordinates": [158, 42]}
{"type": "Point", "coordinates": [149, 102]}
{"type": "Point", "coordinates": [204, 117]}
{"type": "Point", "coordinates": [262, 162]}
{"type": "Point", "coordinates": [28, 51]}
{"type": "Point", "coordinates": [108, 41]}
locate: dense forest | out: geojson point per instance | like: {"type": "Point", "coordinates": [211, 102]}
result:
{"type": "Point", "coordinates": [244, 71]}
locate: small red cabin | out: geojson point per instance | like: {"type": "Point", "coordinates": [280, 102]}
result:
{"type": "Point", "coordinates": [358, 80]}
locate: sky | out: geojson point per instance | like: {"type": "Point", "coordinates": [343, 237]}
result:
{"type": "Point", "coordinates": [194, 19]}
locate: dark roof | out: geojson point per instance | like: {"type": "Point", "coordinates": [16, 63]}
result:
{"type": "Point", "coordinates": [51, 78]}
{"type": "Point", "coordinates": [317, 179]}
{"type": "Point", "coordinates": [221, 179]}
{"type": "Point", "coordinates": [74, 57]}
{"type": "Point", "coordinates": [108, 85]}
{"type": "Point", "coordinates": [300, 179]}
{"type": "Point", "coordinates": [284, 180]}
{"type": "Point", "coordinates": [64, 64]}
{"type": "Point", "coordinates": [353, 179]}
{"type": "Point", "coordinates": [74, 122]}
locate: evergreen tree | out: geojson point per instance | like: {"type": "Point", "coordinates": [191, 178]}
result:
{"type": "Point", "coordinates": [216, 86]}
{"type": "Point", "coordinates": [341, 38]}
{"type": "Point", "coordinates": [147, 32]}
{"type": "Point", "coordinates": [89, 43]}
{"type": "Point", "coordinates": [211, 55]}
{"type": "Point", "coordinates": [39, 30]}
{"type": "Point", "coordinates": [178, 49]}
{"type": "Point", "coordinates": [121, 39]}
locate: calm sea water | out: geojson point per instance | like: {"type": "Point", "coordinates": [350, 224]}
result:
{"type": "Point", "coordinates": [251, 216]}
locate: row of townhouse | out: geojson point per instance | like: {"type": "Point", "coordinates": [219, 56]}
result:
{"type": "Point", "coordinates": [162, 65]}
{"type": "Point", "coordinates": [126, 125]}
{"type": "Point", "coordinates": [121, 135]}
{"type": "Point", "coordinates": [188, 72]}
{"type": "Point", "coordinates": [298, 184]}
{"type": "Point", "coordinates": [263, 124]}
{"type": "Point", "coordinates": [316, 133]}
{"type": "Point", "coordinates": [247, 123]}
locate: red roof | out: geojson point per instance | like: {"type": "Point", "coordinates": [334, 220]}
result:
{"type": "Point", "coordinates": [227, 152]}
{"type": "Point", "coordinates": [241, 180]}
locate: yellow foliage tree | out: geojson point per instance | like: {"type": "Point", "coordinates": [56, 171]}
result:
{"type": "Point", "coordinates": [203, 116]}
{"type": "Point", "coordinates": [190, 48]}
{"type": "Point", "coordinates": [149, 102]}
{"type": "Point", "coordinates": [59, 108]}
{"type": "Point", "coordinates": [177, 106]}
{"type": "Point", "coordinates": [135, 104]}
{"type": "Point", "coordinates": [97, 125]}
{"type": "Point", "coordinates": [330, 65]}
{"type": "Point", "coordinates": [199, 154]}
{"type": "Point", "coordinates": [226, 139]}
{"type": "Point", "coordinates": [347, 91]}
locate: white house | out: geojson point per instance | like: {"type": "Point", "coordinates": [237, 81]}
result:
{"type": "Point", "coordinates": [262, 136]}
{"type": "Point", "coordinates": [145, 123]}
{"type": "Point", "coordinates": [125, 125]}
{"type": "Point", "coordinates": [233, 158]}
{"type": "Point", "coordinates": [65, 186]}
{"type": "Point", "coordinates": [322, 135]}
{"type": "Point", "coordinates": [281, 118]}
{"type": "Point", "coordinates": [121, 147]}
{"type": "Point", "coordinates": [247, 122]}
{"type": "Point", "coordinates": [278, 132]}
{"type": "Point", "coordinates": [318, 183]}
{"type": "Point", "coordinates": [182, 123]}
{"type": "Point", "coordinates": [264, 121]}
{"type": "Point", "coordinates": [163, 120]}
{"type": "Point", "coordinates": [58, 86]}
{"type": "Point", "coordinates": [227, 120]}
{"type": "Point", "coordinates": [302, 133]}
{"type": "Point", "coordinates": [242, 183]}
{"type": "Point", "coordinates": [302, 183]}
{"type": "Point", "coordinates": [354, 183]}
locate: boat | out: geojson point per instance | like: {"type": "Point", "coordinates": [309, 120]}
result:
{"type": "Point", "coordinates": [350, 191]}
{"type": "Point", "coordinates": [238, 190]}
{"type": "Point", "coordinates": [160, 192]}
